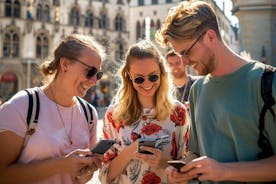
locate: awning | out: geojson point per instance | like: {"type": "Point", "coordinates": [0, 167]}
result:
{"type": "Point", "coordinates": [8, 77]}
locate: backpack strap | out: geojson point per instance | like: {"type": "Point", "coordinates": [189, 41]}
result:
{"type": "Point", "coordinates": [88, 112]}
{"type": "Point", "coordinates": [33, 112]}
{"type": "Point", "coordinates": [269, 101]}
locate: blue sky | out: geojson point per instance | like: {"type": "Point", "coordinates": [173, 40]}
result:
{"type": "Point", "coordinates": [228, 8]}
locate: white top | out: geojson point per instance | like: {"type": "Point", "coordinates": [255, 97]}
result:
{"type": "Point", "coordinates": [50, 139]}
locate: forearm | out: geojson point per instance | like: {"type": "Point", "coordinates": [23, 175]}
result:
{"type": "Point", "coordinates": [261, 170]}
{"type": "Point", "coordinates": [117, 165]}
{"type": "Point", "coordinates": [27, 173]}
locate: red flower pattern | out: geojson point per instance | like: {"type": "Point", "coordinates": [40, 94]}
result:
{"type": "Point", "coordinates": [151, 178]}
{"type": "Point", "coordinates": [134, 136]}
{"type": "Point", "coordinates": [117, 126]}
{"type": "Point", "coordinates": [179, 116]}
{"type": "Point", "coordinates": [150, 128]}
{"type": "Point", "coordinates": [174, 147]}
{"type": "Point", "coordinates": [108, 157]}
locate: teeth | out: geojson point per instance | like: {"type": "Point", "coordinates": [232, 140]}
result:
{"type": "Point", "coordinates": [148, 88]}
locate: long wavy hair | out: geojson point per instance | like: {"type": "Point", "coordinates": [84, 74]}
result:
{"type": "Point", "coordinates": [128, 109]}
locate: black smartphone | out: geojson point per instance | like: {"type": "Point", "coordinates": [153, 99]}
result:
{"type": "Point", "coordinates": [177, 164]}
{"type": "Point", "coordinates": [102, 146]}
{"type": "Point", "coordinates": [146, 142]}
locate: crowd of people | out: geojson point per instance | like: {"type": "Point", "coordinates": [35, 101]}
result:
{"type": "Point", "coordinates": [211, 121]}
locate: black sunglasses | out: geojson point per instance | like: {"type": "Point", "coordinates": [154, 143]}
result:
{"type": "Point", "coordinates": [151, 78]}
{"type": "Point", "coordinates": [92, 70]}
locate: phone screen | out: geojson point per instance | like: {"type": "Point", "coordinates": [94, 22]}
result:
{"type": "Point", "coordinates": [178, 164]}
{"type": "Point", "coordinates": [102, 146]}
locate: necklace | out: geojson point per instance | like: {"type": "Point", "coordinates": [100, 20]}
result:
{"type": "Point", "coordinates": [69, 136]}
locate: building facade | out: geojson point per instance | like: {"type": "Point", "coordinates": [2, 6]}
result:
{"type": "Point", "coordinates": [257, 20]}
{"type": "Point", "coordinates": [30, 30]}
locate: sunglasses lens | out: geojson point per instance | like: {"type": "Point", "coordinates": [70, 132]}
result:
{"type": "Point", "coordinates": [99, 75]}
{"type": "Point", "coordinates": [153, 78]}
{"type": "Point", "coordinates": [139, 80]}
{"type": "Point", "coordinates": [91, 72]}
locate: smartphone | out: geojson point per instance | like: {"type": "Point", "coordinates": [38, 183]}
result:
{"type": "Point", "coordinates": [146, 142]}
{"type": "Point", "coordinates": [102, 146]}
{"type": "Point", "coordinates": [177, 164]}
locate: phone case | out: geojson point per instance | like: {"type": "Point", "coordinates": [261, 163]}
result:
{"type": "Point", "coordinates": [178, 164]}
{"type": "Point", "coordinates": [102, 146]}
{"type": "Point", "coordinates": [146, 142]}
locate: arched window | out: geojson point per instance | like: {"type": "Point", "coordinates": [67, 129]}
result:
{"type": "Point", "coordinates": [12, 8]}
{"type": "Point", "coordinates": [39, 12]}
{"type": "Point", "coordinates": [119, 23]}
{"type": "Point", "coordinates": [11, 44]}
{"type": "Point", "coordinates": [119, 54]}
{"type": "Point", "coordinates": [46, 13]}
{"type": "Point", "coordinates": [42, 46]}
{"type": "Point", "coordinates": [158, 24]}
{"type": "Point", "coordinates": [103, 21]}
{"type": "Point", "coordinates": [89, 19]}
{"type": "Point", "coordinates": [152, 29]}
{"type": "Point", "coordinates": [138, 30]}
{"type": "Point", "coordinates": [74, 17]}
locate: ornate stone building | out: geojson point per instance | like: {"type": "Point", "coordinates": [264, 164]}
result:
{"type": "Point", "coordinates": [30, 29]}
{"type": "Point", "coordinates": [257, 19]}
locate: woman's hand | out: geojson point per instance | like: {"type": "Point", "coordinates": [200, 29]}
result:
{"type": "Point", "coordinates": [154, 160]}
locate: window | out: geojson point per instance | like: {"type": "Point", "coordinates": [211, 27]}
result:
{"type": "Point", "coordinates": [138, 30]}
{"type": "Point", "coordinates": [120, 2]}
{"type": "Point", "coordinates": [46, 13]}
{"type": "Point", "coordinates": [42, 46]}
{"type": "Point", "coordinates": [140, 2]}
{"type": "Point", "coordinates": [103, 21]}
{"type": "Point", "coordinates": [89, 19]}
{"type": "Point", "coordinates": [119, 54]}
{"type": "Point", "coordinates": [12, 8]}
{"type": "Point", "coordinates": [119, 23]}
{"type": "Point", "coordinates": [168, 1]}
{"type": "Point", "coordinates": [74, 17]}
{"type": "Point", "coordinates": [154, 1]}
{"type": "Point", "coordinates": [39, 11]}
{"type": "Point", "coordinates": [11, 44]}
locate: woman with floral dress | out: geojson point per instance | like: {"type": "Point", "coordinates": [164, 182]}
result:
{"type": "Point", "coordinates": [143, 108]}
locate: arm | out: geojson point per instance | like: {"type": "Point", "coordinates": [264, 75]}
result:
{"type": "Point", "coordinates": [11, 143]}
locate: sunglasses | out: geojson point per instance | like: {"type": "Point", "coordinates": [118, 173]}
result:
{"type": "Point", "coordinates": [92, 71]}
{"type": "Point", "coordinates": [151, 78]}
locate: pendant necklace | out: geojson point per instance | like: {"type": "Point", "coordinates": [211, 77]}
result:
{"type": "Point", "coordinates": [69, 136]}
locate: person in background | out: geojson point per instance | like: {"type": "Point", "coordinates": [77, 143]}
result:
{"type": "Point", "coordinates": [144, 108]}
{"type": "Point", "coordinates": [181, 79]}
{"type": "Point", "coordinates": [58, 151]}
{"type": "Point", "coordinates": [225, 104]}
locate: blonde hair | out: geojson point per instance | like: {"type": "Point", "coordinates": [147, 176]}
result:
{"type": "Point", "coordinates": [128, 108]}
{"type": "Point", "coordinates": [187, 21]}
{"type": "Point", "coordinates": [71, 47]}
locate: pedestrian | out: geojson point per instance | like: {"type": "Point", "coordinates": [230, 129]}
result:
{"type": "Point", "coordinates": [181, 79]}
{"type": "Point", "coordinates": [225, 104]}
{"type": "Point", "coordinates": [58, 151]}
{"type": "Point", "coordinates": [143, 108]}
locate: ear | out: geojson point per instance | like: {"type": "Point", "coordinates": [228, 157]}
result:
{"type": "Point", "coordinates": [64, 64]}
{"type": "Point", "coordinates": [211, 36]}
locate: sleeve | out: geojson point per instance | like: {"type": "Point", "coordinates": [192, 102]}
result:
{"type": "Point", "coordinates": [13, 114]}
{"type": "Point", "coordinates": [193, 142]}
{"type": "Point", "coordinates": [182, 131]}
{"type": "Point", "coordinates": [110, 131]}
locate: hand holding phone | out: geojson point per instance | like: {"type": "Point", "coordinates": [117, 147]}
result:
{"type": "Point", "coordinates": [102, 146]}
{"type": "Point", "coordinates": [178, 164]}
{"type": "Point", "coordinates": [146, 142]}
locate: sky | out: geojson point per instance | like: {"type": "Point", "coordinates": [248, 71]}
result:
{"type": "Point", "coordinates": [228, 8]}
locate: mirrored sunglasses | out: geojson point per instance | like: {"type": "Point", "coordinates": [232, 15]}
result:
{"type": "Point", "coordinates": [92, 71]}
{"type": "Point", "coordinates": [151, 78]}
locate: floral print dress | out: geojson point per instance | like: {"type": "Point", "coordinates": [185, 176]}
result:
{"type": "Point", "coordinates": [176, 128]}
